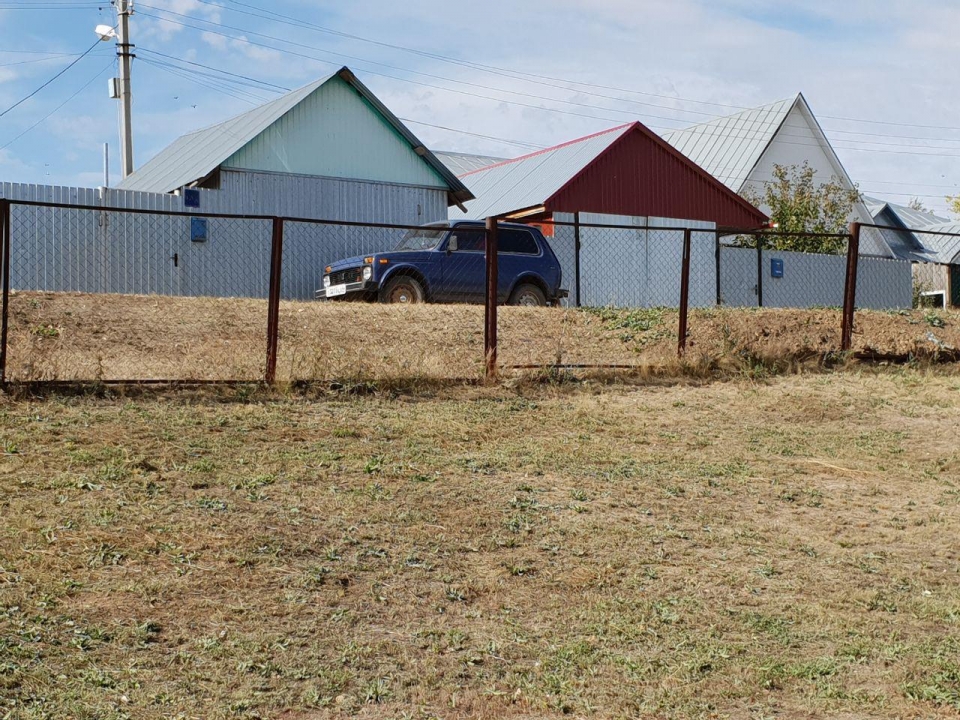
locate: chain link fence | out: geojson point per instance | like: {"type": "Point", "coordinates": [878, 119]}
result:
{"type": "Point", "coordinates": [97, 294]}
{"type": "Point", "coordinates": [115, 295]}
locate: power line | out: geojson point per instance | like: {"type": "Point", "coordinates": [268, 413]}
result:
{"type": "Point", "coordinates": [20, 102]}
{"type": "Point", "coordinates": [39, 60]}
{"type": "Point", "coordinates": [518, 74]}
{"type": "Point", "coordinates": [748, 134]}
{"type": "Point", "coordinates": [473, 134]}
{"type": "Point", "coordinates": [236, 93]}
{"type": "Point", "coordinates": [59, 107]}
{"type": "Point", "coordinates": [223, 72]}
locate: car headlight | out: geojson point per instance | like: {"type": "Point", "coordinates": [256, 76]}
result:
{"type": "Point", "coordinates": [367, 273]}
{"type": "Point", "coordinates": [326, 281]}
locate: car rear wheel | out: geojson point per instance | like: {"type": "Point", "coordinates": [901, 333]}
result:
{"type": "Point", "coordinates": [404, 290]}
{"type": "Point", "coordinates": [529, 295]}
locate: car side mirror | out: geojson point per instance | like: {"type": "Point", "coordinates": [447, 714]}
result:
{"type": "Point", "coordinates": [452, 244]}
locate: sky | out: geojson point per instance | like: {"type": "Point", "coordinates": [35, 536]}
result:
{"type": "Point", "coordinates": [500, 77]}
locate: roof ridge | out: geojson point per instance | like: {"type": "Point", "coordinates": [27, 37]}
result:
{"type": "Point", "coordinates": [715, 120]}
{"type": "Point", "coordinates": [551, 149]}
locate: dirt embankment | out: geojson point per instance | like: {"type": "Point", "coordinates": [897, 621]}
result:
{"type": "Point", "coordinates": [60, 336]}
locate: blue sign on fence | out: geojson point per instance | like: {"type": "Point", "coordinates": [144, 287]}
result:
{"type": "Point", "coordinates": [198, 229]}
{"type": "Point", "coordinates": [776, 268]}
{"type": "Point", "coordinates": [191, 198]}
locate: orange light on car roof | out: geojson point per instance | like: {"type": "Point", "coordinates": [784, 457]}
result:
{"type": "Point", "coordinates": [368, 261]}
{"type": "Point", "coordinates": [328, 269]}
{"type": "Point", "coordinates": [384, 261]}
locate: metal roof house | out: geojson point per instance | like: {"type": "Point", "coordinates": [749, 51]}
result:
{"type": "Point", "coordinates": [626, 171]}
{"type": "Point", "coordinates": [328, 150]}
{"type": "Point", "coordinates": [625, 176]}
{"type": "Point", "coordinates": [906, 244]}
{"type": "Point", "coordinates": [941, 270]}
{"type": "Point", "coordinates": [741, 150]}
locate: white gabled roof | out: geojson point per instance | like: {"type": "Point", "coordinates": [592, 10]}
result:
{"type": "Point", "coordinates": [528, 181]}
{"type": "Point", "coordinates": [461, 163]}
{"type": "Point", "coordinates": [729, 148]}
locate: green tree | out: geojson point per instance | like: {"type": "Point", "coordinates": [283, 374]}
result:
{"type": "Point", "coordinates": [954, 204]}
{"type": "Point", "coordinates": [799, 205]}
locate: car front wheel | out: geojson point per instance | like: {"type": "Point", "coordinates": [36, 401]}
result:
{"type": "Point", "coordinates": [529, 295]}
{"type": "Point", "coordinates": [404, 290]}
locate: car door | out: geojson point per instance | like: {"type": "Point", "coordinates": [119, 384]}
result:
{"type": "Point", "coordinates": [519, 253]}
{"type": "Point", "coordinates": [463, 277]}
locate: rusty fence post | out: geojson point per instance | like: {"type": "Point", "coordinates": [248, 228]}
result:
{"type": "Point", "coordinates": [5, 263]}
{"type": "Point", "coordinates": [717, 252]}
{"type": "Point", "coordinates": [576, 258]}
{"type": "Point", "coordinates": [759, 239]}
{"type": "Point", "coordinates": [273, 301]}
{"type": "Point", "coordinates": [684, 293]}
{"type": "Point", "coordinates": [850, 288]}
{"type": "Point", "coordinates": [490, 314]}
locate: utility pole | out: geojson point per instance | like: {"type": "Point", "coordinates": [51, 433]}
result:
{"type": "Point", "coordinates": [125, 53]}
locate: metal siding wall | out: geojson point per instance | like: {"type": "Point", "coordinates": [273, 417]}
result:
{"type": "Point", "coordinates": [738, 277]}
{"type": "Point", "coordinates": [637, 268]}
{"type": "Point", "coordinates": [564, 245]}
{"type": "Point", "coordinates": [884, 284]}
{"type": "Point", "coordinates": [812, 280]}
{"type": "Point", "coordinates": [59, 250]}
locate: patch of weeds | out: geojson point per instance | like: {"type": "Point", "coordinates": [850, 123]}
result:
{"type": "Point", "coordinates": [933, 319]}
{"type": "Point", "coordinates": [112, 472]}
{"type": "Point", "coordinates": [212, 504]}
{"type": "Point", "coordinates": [47, 331]}
{"type": "Point", "coordinates": [377, 691]}
{"type": "Point", "coordinates": [628, 324]}
{"type": "Point", "coordinates": [881, 603]}
{"type": "Point", "coordinates": [106, 555]}
{"type": "Point", "coordinates": [814, 669]}
{"type": "Point", "coordinates": [941, 686]}
{"type": "Point", "coordinates": [374, 465]}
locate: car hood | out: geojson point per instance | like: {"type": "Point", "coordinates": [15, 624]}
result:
{"type": "Point", "coordinates": [347, 263]}
{"type": "Point", "coordinates": [397, 256]}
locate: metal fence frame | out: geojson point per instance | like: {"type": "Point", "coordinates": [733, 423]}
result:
{"type": "Point", "coordinates": [490, 348]}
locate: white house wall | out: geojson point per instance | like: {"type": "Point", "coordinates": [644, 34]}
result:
{"type": "Point", "coordinates": [799, 140]}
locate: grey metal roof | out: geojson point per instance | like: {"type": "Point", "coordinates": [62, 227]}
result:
{"type": "Point", "coordinates": [903, 241]}
{"type": "Point", "coordinates": [943, 248]}
{"type": "Point", "coordinates": [528, 181]}
{"type": "Point", "coordinates": [908, 216]}
{"type": "Point", "coordinates": [729, 148]}
{"type": "Point", "coordinates": [194, 156]}
{"type": "Point", "coordinates": [461, 163]}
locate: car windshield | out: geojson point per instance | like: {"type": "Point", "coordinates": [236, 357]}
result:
{"type": "Point", "coordinates": [422, 238]}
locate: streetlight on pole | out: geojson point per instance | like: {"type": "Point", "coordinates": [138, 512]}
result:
{"type": "Point", "coordinates": [120, 88]}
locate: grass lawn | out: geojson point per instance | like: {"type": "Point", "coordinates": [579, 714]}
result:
{"type": "Point", "coordinates": [785, 548]}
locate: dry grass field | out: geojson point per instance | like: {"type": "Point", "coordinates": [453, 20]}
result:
{"type": "Point", "coordinates": [116, 337]}
{"type": "Point", "coordinates": [776, 549]}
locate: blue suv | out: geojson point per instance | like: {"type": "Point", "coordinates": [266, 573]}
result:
{"type": "Point", "coordinates": [444, 262]}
